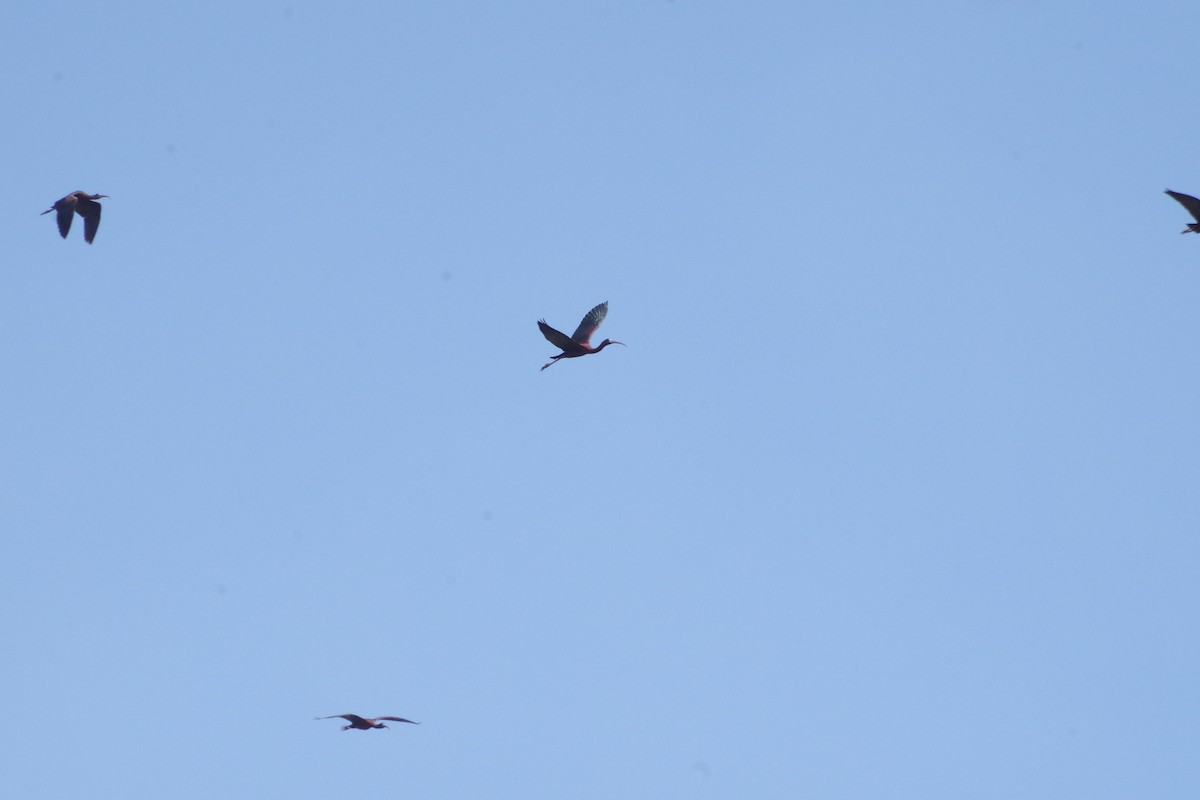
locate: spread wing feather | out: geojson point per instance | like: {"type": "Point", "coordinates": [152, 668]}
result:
{"type": "Point", "coordinates": [90, 211]}
{"type": "Point", "coordinates": [352, 718]}
{"type": "Point", "coordinates": [591, 321]}
{"type": "Point", "coordinates": [66, 213]}
{"type": "Point", "coordinates": [1192, 204]}
{"type": "Point", "coordinates": [556, 338]}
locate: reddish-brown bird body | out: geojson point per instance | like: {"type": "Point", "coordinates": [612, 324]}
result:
{"type": "Point", "coordinates": [576, 344]}
{"type": "Point", "coordinates": [366, 723]}
{"type": "Point", "coordinates": [84, 205]}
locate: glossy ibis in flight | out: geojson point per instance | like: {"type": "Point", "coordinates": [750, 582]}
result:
{"type": "Point", "coordinates": [576, 344]}
{"type": "Point", "coordinates": [366, 723]}
{"type": "Point", "coordinates": [1192, 205]}
{"type": "Point", "coordinates": [84, 205]}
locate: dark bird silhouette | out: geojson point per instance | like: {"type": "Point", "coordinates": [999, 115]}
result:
{"type": "Point", "coordinates": [1192, 205]}
{"type": "Point", "coordinates": [84, 205]}
{"type": "Point", "coordinates": [366, 723]}
{"type": "Point", "coordinates": [576, 344]}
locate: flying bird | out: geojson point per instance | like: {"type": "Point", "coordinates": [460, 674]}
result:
{"type": "Point", "coordinates": [576, 344]}
{"type": "Point", "coordinates": [1192, 204]}
{"type": "Point", "coordinates": [366, 723]}
{"type": "Point", "coordinates": [84, 205]}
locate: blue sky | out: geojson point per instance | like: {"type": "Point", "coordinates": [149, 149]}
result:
{"type": "Point", "coordinates": [891, 494]}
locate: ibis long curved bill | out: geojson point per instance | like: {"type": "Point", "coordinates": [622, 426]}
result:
{"type": "Point", "coordinates": [84, 205]}
{"type": "Point", "coordinates": [366, 723]}
{"type": "Point", "coordinates": [577, 344]}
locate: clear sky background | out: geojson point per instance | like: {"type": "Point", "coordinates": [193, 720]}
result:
{"type": "Point", "coordinates": [893, 492]}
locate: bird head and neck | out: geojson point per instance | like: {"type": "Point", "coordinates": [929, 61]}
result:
{"type": "Point", "coordinates": [606, 343]}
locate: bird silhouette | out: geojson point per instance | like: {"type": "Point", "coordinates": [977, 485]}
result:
{"type": "Point", "coordinates": [576, 344]}
{"type": "Point", "coordinates": [366, 723]}
{"type": "Point", "coordinates": [84, 205]}
{"type": "Point", "coordinates": [1192, 204]}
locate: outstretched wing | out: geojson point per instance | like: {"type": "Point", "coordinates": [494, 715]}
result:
{"type": "Point", "coordinates": [399, 719]}
{"type": "Point", "coordinates": [90, 211]}
{"type": "Point", "coordinates": [351, 718]}
{"type": "Point", "coordinates": [66, 213]}
{"type": "Point", "coordinates": [1192, 204]}
{"type": "Point", "coordinates": [591, 321]}
{"type": "Point", "coordinates": [556, 338]}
